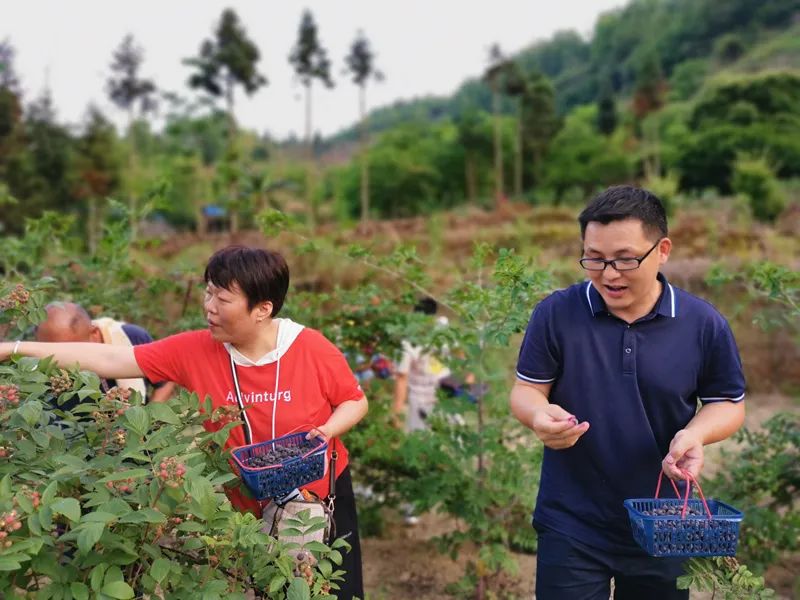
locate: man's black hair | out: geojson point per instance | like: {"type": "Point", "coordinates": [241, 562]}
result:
{"type": "Point", "coordinates": [622, 202]}
{"type": "Point", "coordinates": [262, 275]}
{"type": "Point", "coordinates": [426, 305]}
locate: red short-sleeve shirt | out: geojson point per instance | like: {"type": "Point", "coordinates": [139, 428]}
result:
{"type": "Point", "coordinates": [314, 378]}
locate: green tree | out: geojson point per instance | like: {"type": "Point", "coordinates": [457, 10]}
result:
{"type": "Point", "coordinates": [581, 157]}
{"type": "Point", "coordinates": [606, 108]}
{"type": "Point", "coordinates": [514, 84]}
{"type": "Point", "coordinates": [97, 169]}
{"type": "Point", "coordinates": [125, 87]}
{"type": "Point", "coordinates": [748, 114]}
{"type": "Point", "coordinates": [310, 61]}
{"type": "Point", "coordinates": [755, 179]}
{"type": "Point", "coordinates": [227, 60]}
{"type": "Point", "coordinates": [10, 101]}
{"type": "Point", "coordinates": [540, 123]}
{"type": "Point", "coordinates": [127, 90]}
{"type": "Point", "coordinates": [475, 138]}
{"type": "Point", "coordinates": [15, 166]}
{"type": "Point", "coordinates": [494, 76]}
{"type": "Point", "coordinates": [361, 64]}
{"type": "Point", "coordinates": [50, 147]}
{"type": "Point", "coordinates": [649, 97]}
{"type": "Point", "coordinates": [8, 76]}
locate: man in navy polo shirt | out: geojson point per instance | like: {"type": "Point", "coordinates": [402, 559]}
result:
{"type": "Point", "coordinates": [609, 377]}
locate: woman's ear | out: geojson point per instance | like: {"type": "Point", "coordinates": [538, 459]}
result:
{"type": "Point", "coordinates": [263, 311]}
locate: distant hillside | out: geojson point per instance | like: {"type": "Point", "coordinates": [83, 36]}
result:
{"type": "Point", "coordinates": [746, 35]}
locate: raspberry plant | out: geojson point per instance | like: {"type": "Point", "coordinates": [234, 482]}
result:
{"type": "Point", "coordinates": [120, 500]}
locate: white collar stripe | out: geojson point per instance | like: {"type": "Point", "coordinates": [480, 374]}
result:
{"type": "Point", "coordinates": [672, 299]}
{"type": "Point", "coordinates": [588, 298]}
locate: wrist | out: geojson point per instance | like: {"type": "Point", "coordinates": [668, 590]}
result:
{"type": "Point", "coordinates": [695, 436]}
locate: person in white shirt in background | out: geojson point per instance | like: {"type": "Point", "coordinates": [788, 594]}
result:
{"type": "Point", "coordinates": [417, 377]}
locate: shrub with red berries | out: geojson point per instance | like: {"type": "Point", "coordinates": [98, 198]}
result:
{"type": "Point", "coordinates": [60, 382]}
{"type": "Point", "coordinates": [171, 471]}
{"type": "Point", "coordinates": [78, 493]}
{"type": "Point", "coordinates": [16, 298]}
{"type": "Point", "coordinates": [9, 395]}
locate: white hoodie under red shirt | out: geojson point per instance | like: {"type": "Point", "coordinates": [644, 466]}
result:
{"type": "Point", "coordinates": [301, 382]}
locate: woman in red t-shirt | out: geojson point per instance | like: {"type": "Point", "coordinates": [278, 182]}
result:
{"type": "Point", "coordinates": [288, 376]}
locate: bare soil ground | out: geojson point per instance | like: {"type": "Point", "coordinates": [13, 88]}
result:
{"type": "Point", "coordinates": [405, 563]}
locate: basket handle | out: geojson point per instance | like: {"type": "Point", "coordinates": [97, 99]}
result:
{"type": "Point", "coordinates": [312, 426]}
{"type": "Point", "coordinates": [689, 481]}
{"type": "Point", "coordinates": [674, 487]}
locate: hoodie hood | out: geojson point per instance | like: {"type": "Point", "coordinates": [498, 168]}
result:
{"type": "Point", "coordinates": [288, 331]}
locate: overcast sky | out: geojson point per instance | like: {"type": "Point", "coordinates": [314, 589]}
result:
{"type": "Point", "coordinates": [423, 46]}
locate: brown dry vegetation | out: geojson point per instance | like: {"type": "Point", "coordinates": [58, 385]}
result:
{"type": "Point", "coordinates": [548, 236]}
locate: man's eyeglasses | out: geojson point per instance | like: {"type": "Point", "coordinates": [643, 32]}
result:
{"type": "Point", "coordinates": [619, 264]}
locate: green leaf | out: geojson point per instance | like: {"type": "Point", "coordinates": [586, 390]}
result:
{"type": "Point", "coordinates": [159, 569]}
{"type": "Point", "coordinates": [96, 579]}
{"type": "Point", "coordinates": [145, 515]}
{"type": "Point", "coordinates": [98, 517]}
{"type": "Point", "coordinates": [30, 412]}
{"type": "Point", "coordinates": [69, 507]}
{"type": "Point", "coordinates": [118, 589]}
{"type": "Point", "coordinates": [71, 461]}
{"type": "Point", "coordinates": [90, 534]}
{"type": "Point", "coordinates": [9, 565]}
{"type": "Point", "coordinates": [325, 567]}
{"type": "Point", "coordinates": [79, 590]}
{"type": "Point", "coordinates": [277, 583]}
{"type": "Point", "coordinates": [298, 590]}
{"type": "Point", "coordinates": [137, 419]}
{"type": "Point", "coordinates": [162, 412]}
{"type": "Point", "coordinates": [315, 546]}
{"type": "Point", "coordinates": [129, 474]}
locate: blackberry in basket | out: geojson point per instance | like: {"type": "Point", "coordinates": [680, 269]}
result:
{"type": "Point", "coordinates": [684, 527]}
{"type": "Point", "coordinates": [274, 468]}
{"type": "Point", "coordinates": [280, 454]}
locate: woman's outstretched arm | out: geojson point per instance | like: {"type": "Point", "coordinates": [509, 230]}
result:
{"type": "Point", "coordinates": [107, 360]}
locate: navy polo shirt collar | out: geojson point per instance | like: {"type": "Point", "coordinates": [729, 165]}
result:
{"type": "Point", "coordinates": [665, 306]}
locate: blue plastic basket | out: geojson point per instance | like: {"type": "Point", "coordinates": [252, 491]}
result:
{"type": "Point", "coordinates": [692, 535]}
{"type": "Point", "coordinates": [277, 480]}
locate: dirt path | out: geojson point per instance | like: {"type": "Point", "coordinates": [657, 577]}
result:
{"type": "Point", "coordinates": [405, 563]}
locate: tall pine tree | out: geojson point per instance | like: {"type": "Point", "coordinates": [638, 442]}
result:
{"type": "Point", "coordinates": [361, 65]}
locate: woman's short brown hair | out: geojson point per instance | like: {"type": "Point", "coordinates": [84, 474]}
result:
{"type": "Point", "coordinates": [262, 275]}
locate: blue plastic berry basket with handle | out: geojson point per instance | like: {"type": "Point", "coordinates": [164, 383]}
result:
{"type": "Point", "coordinates": [713, 529]}
{"type": "Point", "coordinates": [277, 480]}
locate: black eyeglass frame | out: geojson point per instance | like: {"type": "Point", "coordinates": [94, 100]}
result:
{"type": "Point", "coordinates": [613, 262]}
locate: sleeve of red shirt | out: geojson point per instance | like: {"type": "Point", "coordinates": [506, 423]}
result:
{"type": "Point", "coordinates": [163, 360]}
{"type": "Point", "coordinates": [336, 378]}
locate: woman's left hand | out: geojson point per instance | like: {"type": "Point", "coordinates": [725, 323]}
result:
{"type": "Point", "coordinates": [318, 432]}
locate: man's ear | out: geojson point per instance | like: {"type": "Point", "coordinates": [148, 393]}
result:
{"type": "Point", "coordinates": [95, 335]}
{"type": "Point", "coordinates": [664, 248]}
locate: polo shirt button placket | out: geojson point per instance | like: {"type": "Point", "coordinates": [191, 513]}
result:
{"type": "Point", "coordinates": [628, 361]}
